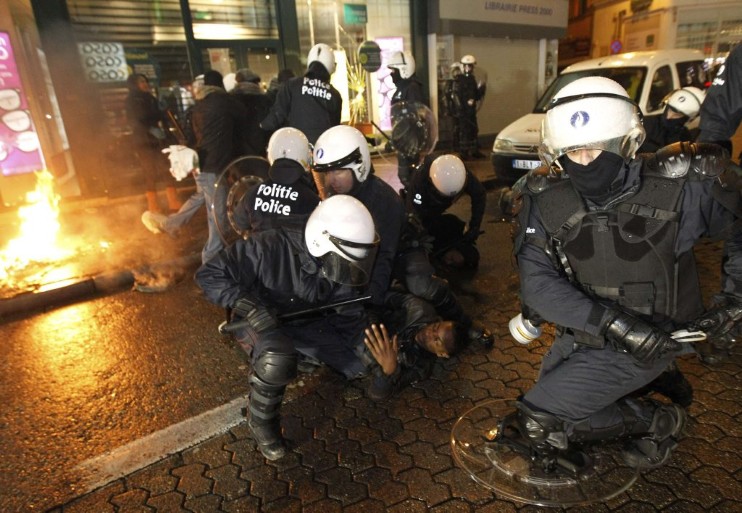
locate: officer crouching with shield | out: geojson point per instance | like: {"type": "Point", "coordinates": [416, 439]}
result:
{"type": "Point", "coordinates": [605, 252]}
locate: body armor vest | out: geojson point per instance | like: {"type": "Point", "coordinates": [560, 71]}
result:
{"type": "Point", "coordinates": [625, 254]}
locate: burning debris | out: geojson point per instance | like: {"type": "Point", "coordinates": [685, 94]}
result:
{"type": "Point", "coordinates": [38, 256]}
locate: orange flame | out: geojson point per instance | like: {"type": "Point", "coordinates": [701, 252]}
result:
{"type": "Point", "coordinates": [37, 241]}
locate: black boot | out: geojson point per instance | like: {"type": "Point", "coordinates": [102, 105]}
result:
{"type": "Point", "coordinates": [653, 447]}
{"type": "Point", "coordinates": [264, 417]}
{"type": "Point", "coordinates": [671, 384]}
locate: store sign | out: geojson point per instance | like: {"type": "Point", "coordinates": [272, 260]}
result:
{"type": "Point", "coordinates": [546, 13]}
{"type": "Point", "coordinates": [103, 62]}
{"type": "Point", "coordinates": [19, 142]}
{"type": "Point", "coordinates": [369, 55]}
{"type": "Point", "coordinates": [355, 14]}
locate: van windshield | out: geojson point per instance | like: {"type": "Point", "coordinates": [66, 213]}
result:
{"type": "Point", "coordinates": [630, 79]}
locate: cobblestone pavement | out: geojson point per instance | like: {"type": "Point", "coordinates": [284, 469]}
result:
{"type": "Point", "coordinates": [350, 454]}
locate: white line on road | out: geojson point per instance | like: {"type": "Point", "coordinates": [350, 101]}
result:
{"type": "Point", "coordinates": [101, 470]}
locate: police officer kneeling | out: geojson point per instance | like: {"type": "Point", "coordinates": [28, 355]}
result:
{"type": "Point", "coordinates": [605, 252]}
{"type": "Point", "coordinates": [288, 270]}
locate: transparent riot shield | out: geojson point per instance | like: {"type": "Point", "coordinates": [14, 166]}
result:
{"type": "Point", "coordinates": [486, 443]}
{"type": "Point", "coordinates": [414, 130]}
{"type": "Point", "coordinates": [233, 186]}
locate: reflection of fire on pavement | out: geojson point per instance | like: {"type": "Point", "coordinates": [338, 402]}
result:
{"type": "Point", "coordinates": [36, 257]}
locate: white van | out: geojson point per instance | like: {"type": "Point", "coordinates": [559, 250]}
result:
{"type": "Point", "coordinates": [647, 76]}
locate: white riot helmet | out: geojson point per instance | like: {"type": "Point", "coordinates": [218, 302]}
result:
{"type": "Point", "coordinates": [323, 54]}
{"type": "Point", "coordinates": [686, 101]}
{"type": "Point", "coordinates": [591, 113]}
{"type": "Point", "coordinates": [404, 62]}
{"type": "Point", "coordinates": [340, 232]}
{"type": "Point", "coordinates": [448, 175]}
{"type": "Point", "coordinates": [468, 59]}
{"type": "Point", "coordinates": [290, 143]}
{"type": "Point", "coordinates": [342, 147]}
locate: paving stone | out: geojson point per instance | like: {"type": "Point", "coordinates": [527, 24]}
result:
{"type": "Point", "coordinates": [192, 480]}
{"type": "Point", "coordinates": [203, 504]}
{"type": "Point", "coordinates": [157, 478]}
{"type": "Point", "coordinates": [302, 484]}
{"type": "Point", "coordinates": [212, 452]}
{"type": "Point", "coordinates": [263, 483]}
{"type": "Point", "coordinates": [366, 506]}
{"type": "Point", "coordinates": [172, 502]}
{"type": "Point", "coordinates": [421, 485]}
{"type": "Point", "coordinates": [97, 502]}
{"type": "Point", "coordinates": [242, 505]}
{"type": "Point", "coordinates": [132, 501]}
{"type": "Point", "coordinates": [340, 486]}
{"type": "Point", "coordinates": [227, 483]}
{"type": "Point", "coordinates": [381, 486]}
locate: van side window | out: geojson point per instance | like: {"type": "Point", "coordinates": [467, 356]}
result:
{"type": "Point", "coordinates": [661, 87]}
{"type": "Point", "coordinates": [691, 73]}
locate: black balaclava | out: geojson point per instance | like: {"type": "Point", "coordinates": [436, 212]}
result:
{"type": "Point", "coordinates": [600, 179]}
{"type": "Point", "coordinates": [396, 76]}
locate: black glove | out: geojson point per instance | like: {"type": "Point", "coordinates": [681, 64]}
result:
{"type": "Point", "coordinates": [247, 319]}
{"type": "Point", "coordinates": [645, 342]}
{"type": "Point", "coordinates": [719, 321]}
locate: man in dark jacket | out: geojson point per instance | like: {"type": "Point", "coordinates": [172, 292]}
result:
{"type": "Point", "coordinates": [216, 119]}
{"type": "Point", "coordinates": [436, 186]}
{"type": "Point", "coordinates": [409, 90]}
{"type": "Point", "coordinates": [419, 337]}
{"type": "Point", "coordinates": [257, 104]}
{"type": "Point", "coordinates": [289, 270]}
{"type": "Point", "coordinates": [309, 103]}
{"type": "Point", "coordinates": [469, 92]}
{"type": "Point", "coordinates": [605, 252]}
{"type": "Point", "coordinates": [148, 122]}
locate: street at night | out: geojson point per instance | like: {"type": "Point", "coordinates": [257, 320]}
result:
{"type": "Point", "coordinates": [130, 401]}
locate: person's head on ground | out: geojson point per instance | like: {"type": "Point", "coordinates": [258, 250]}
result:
{"type": "Point", "coordinates": [442, 338]}
{"type": "Point", "coordinates": [321, 62]}
{"type": "Point", "coordinates": [341, 160]}
{"type": "Point", "coordinates": [341, 234]}
{"type": "Point", "coordinates": [402, 65]}
{"type": "Point", "coordinates": [591, 130]}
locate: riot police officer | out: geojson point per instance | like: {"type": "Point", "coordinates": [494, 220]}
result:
{"type": "Point", "coordinates": [680, 108]}
{"type": "Point", "coordinates": [276, 272]}
{"type": "Point", "coordinates": [437, 185]}
{"type": "Point", "coordinates": [605, 252]}
{"type": "Point", "coordinates": [409, 89]}
{"type": "Point", "coordinates": [309, 103]}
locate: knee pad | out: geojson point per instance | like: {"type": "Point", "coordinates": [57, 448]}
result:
{"type": "Point", "coordinates": [276, 368]}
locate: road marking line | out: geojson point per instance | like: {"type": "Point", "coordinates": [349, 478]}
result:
{"type": "Point", "coordinates": [122, 461]}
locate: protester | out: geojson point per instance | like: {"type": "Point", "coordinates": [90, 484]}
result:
{"type": "Point", "coordinates": [148, 124]}
{"type": "Point", "coordinates": [257, 104]}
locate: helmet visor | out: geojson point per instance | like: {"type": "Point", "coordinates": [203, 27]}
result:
{"type": "Point", "coordinates": [352, 265]}
{"type": "Point", "coordinates": [563, 129]}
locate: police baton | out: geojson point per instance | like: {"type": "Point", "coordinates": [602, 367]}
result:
{"type": "Point", "coordinates": [226, 327]}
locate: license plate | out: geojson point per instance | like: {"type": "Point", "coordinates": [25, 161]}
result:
{"type": "Point", "coordinates": [526, 164]}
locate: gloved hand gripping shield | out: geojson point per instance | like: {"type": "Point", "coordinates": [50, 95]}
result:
{"type": "Point", "coordinates": [414, 130]}
{"type": "Point", "coordinates": [232, 187]}
{"type": "Point", "coordinates": [591, 113]}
